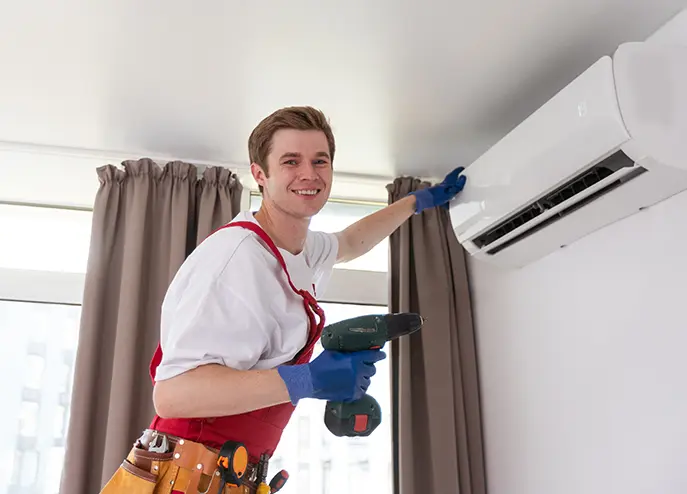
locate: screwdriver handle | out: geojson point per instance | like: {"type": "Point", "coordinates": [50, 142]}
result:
{"type": "Point", "coordinates": [278, 481]}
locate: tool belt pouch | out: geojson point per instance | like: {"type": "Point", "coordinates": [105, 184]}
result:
{"type": "Point", "coordinates": [139, 473]}
{"type": "Point", "coordinates": [189, 468]}
{"type": "Point", "coordinates": [197, 469]}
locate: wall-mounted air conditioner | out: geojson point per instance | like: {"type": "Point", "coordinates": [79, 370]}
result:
{"type": "Point", "coordinates": [614, 141]}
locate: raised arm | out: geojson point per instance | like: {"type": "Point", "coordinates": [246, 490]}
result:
{"type": "Point", "coordinates": [364, 234]}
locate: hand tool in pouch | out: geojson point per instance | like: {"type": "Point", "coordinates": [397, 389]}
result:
{"type": "Point", "coordinates": [232, 463]}
{"type": "Point", "coordinates": [263, 488]}
{"type": "Point", "coordinates": [275, 484]}
{"type": "Point", "coordinates": [162, 447]}
{"type": "Point", "coordinates": [278, 481]}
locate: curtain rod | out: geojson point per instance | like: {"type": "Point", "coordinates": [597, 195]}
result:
{"type": "Point", "coordinates": [46, 206]}
{"type": "Point", "coordinates": [119, 156]}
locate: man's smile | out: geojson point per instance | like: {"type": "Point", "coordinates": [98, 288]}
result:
{"type": "Point", "coordinates": [307, 192]}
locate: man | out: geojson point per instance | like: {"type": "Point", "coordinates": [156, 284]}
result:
{"type": "Point", "coordinates": [240, 318]}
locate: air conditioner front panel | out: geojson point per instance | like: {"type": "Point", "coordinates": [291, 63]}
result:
{"type": "Point", "coordinates": [542, 151]}
{"type": "Point", "coordinates": [561, 203]}
{"type": "Point", "coordinates": [646, 189]}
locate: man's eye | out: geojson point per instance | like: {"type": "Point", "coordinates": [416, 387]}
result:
{"type": "Point", "coordinates": [290, 162]}
{"type": "Point", "coordinates": [320, 162]}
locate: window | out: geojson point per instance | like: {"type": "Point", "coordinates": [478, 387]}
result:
{"type": "Point", "coordinates": [28, 230]}
{"type": "Point", "coordinates": [337, 215]}
{"type": "Point", "coordinates": [38, 347]}
{"type": "Point", "coordinates": [338, 465]}
{"type": "Point", "coordinates": [304, 434]}
{"type": "Point", "coordinates": [42, 264]}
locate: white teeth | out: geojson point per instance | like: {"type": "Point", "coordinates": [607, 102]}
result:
{"type": "Point", "coordinates": [306, 192]}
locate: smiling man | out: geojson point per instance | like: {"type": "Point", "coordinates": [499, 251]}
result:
{"type": "Point", "coordinates": [240, 318]}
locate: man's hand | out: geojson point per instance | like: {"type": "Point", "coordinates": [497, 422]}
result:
{"type": "Point", "coordinates": [333, 376]}
{"type": "Point", "coordinates": [440, 194]}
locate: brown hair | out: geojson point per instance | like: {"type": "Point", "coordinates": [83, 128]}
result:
{"type": "Point", "coordinates": [292, 117]}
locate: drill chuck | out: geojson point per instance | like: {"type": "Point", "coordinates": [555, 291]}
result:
{"type": "Point", "coordinates": [402, 324]}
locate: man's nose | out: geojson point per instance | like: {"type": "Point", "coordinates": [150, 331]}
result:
{"type": "Point", "coordinates": [308, 171]}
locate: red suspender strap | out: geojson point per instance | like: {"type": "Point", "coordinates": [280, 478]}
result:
{"type": "Point", "coordinates": [309, 301]}
{"type": "Point", "coordinates": [266, 238]}
{"type": "Point", "coordinates": [157, 358]}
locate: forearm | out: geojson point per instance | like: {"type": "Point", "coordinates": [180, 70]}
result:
{"type": "Point", "coordinates": [364, 234]}
{"type": "Point", "coordinates": [217, 391]}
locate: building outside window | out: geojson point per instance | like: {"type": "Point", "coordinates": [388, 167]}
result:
{"type": "Point", "coordinates": [38, 349]}
{"type": "Point", "coordinates": [42, 263]}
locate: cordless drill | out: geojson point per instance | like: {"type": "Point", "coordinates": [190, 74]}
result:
{"type": "Point", "coordinates": [361, 417]}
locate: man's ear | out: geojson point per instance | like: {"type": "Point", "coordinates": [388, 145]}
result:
{"type": "Point", "coordinates": [258, 173]}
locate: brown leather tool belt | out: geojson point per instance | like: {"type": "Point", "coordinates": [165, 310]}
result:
{"type": "Point", "coordinates": [153, 447]}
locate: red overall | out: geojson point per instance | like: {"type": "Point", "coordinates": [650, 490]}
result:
{"type": "Point", "coordinates": [259, 430]}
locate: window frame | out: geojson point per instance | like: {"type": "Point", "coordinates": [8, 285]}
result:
{"type": "Point", "coordinates": [18, 285]}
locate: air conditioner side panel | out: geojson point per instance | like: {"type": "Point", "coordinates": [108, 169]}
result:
{"type": "Point", "coordinates": [576, 128]}
{"type": "Point", "coordinates": [651, 82]}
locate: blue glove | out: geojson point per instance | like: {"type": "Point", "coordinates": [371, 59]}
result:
{"type": "Point", "coordinates": [332, 376]}
{"type": "Point", "coordinates": [441, 194]}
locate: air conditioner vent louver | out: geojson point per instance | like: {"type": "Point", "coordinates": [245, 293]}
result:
{"type": "Point", "coordinates": [573, 187]}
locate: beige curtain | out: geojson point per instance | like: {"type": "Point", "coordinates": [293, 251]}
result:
{"type": "Point", "coordinates": [146, 220]}
{"type": "Point", "coordinates": [437, 423]}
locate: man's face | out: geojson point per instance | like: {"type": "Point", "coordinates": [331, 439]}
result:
{"type": "Point", "coordinates": [300, 172]}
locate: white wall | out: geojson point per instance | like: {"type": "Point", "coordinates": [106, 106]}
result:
{"type": "Point", "coordinates": [583, 360]}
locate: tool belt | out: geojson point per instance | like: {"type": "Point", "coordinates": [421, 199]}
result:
{"type": "Point", "coordinates": [159, 461]}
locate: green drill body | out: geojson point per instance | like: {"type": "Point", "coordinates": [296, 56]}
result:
{"type": "Point", "coordinates": [370, 332]}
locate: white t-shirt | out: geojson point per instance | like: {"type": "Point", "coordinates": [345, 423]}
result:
{"type": "Point", "coordinates": [230, 302]}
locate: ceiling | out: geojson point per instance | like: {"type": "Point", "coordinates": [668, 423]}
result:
{"type": "Point", "coordinates": [410, 87]}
